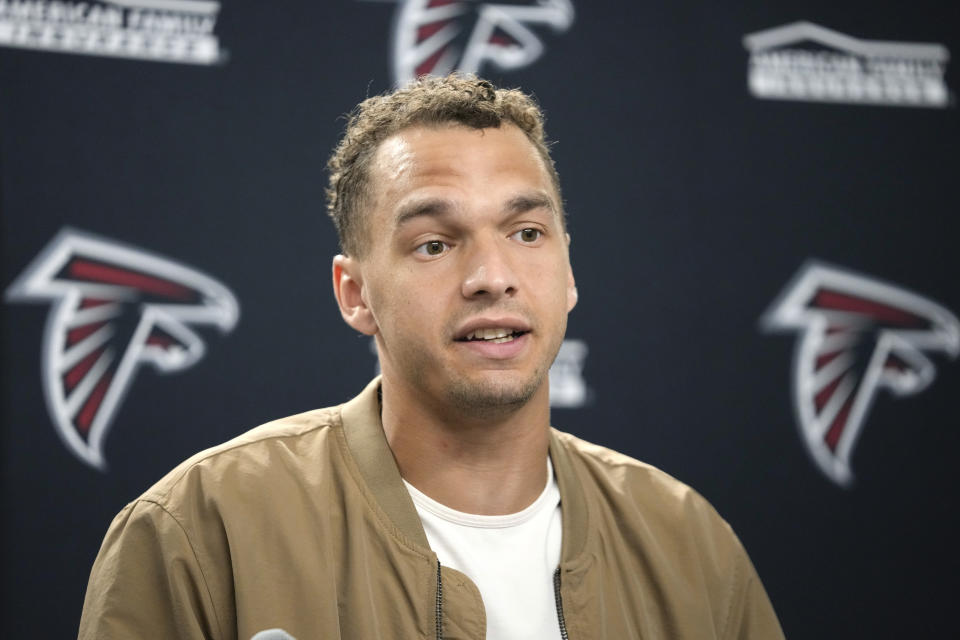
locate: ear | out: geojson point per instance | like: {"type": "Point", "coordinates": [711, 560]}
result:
{"type": "Point", "coordinates": [572, 295]}
{"type": "Point", "coordinates": [348, 289]}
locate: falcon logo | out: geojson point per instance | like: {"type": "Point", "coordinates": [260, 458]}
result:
{"type": "Point", "coordinates": [859, 335]}
{"type": "Point", "coordinates": [437, 36]}
{"type": "Point", "coordinates": [114, 308]}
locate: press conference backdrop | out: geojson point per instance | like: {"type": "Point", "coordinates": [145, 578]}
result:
{"type": "Point", "coordinates": [762, 199]}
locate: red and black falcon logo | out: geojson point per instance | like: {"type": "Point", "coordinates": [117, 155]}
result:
{"type": "Point", "coordinates": [114, 308]}
{"type": "Point", "coordinates": [859, 335]}
{"type": "Point", "coordinates": [436, 37]}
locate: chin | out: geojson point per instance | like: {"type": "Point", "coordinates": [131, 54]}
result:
{"type": "Point", "coordinates": [494, 395]}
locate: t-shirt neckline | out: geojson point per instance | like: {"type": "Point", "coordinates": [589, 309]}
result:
{"type": "Point", "coordinates": [477, 521]}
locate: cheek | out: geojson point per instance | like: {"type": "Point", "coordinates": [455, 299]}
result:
{"type": "Point", "coordinates": [406, 302]}
{"type": "Point", "coordinates": [556, 272]}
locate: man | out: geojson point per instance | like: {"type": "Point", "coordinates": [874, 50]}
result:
{"type": "Point", "coordinates": [439, 503]}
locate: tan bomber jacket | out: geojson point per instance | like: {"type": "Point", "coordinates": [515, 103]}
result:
{"type": "Point", "coordinates": [304, 525]}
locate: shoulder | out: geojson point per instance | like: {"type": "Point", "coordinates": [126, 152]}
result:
{"type": "Point", "coordinates": [289, 451]}
{"type": "Point", "coordinates": [640, 492]}
{"type": "Point", "coordinates": [183, 532]}
{"type": "Point", "coordinates": [606, 466]}
{"type": "Point", "coordinates": [648, 522]}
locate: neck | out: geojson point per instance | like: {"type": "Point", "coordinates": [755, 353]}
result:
{"type": "Point", "coordinates": [485, 465]}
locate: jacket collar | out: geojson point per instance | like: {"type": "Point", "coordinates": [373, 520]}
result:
{"type": "Point", "coordinates": [368, 444]}
{"type": "Point", "coordinates": [365, 438]}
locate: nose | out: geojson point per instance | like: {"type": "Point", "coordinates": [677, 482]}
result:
{"type": "Point", "coordinates": [489, 271]}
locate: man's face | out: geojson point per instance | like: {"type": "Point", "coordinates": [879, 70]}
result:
{"type": "Point", "coordinates": [466, 279]}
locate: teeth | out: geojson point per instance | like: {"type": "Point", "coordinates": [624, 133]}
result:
{"type": "Point", "coordinates": [497, 334]}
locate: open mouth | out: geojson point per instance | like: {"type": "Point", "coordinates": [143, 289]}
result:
{"type": "Point", "coordinates": [496, 335]}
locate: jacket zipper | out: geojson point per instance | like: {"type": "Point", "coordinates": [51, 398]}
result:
{"type": "Point", "coordinates": [559, 601]}
{"type": "Point", "coordinates": [556, 597]}
{"type": "Point", "coordinates": [439, 604]}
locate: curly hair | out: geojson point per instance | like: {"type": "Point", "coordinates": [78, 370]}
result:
{"type": "Point", "coordinates": [462, 99]}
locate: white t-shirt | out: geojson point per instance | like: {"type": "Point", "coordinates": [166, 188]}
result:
{"type": "Point", "coordinates": [510, 558]}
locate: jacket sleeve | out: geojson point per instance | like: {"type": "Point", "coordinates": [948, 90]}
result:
{"type": "Point", "coordinates": [147, 582]}
{"type": "Point", "coordinates": [751, 616]}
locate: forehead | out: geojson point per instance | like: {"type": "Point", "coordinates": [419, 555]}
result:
{"type": "Point", "coordinates": [420, 155]}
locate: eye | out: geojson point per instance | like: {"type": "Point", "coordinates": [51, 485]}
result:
{"type": "Point", "coordinates": [433, 248]}
{"type": "Point", "coordinates": [528, 235]}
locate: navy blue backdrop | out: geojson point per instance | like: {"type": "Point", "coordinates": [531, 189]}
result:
{"type": "Point", "coordinates": [762, 200]}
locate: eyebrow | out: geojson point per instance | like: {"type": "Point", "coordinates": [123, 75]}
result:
{"type": "Point", "coordinates": [439, 207]}
{"type": "Point", "coordinates": [431, 207]}
{"type": "Point", "coordinates": [530, 201]}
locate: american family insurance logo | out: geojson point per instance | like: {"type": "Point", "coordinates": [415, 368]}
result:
{"type": "Point", "coordinates": [435, 37]}
{"type": "Point", "coordinates": [857, 335]}
{"type": "Point", "coordinates": [114, 309]}
{"type": "Point", "coordinates": [159, 30]}
{"type": "Point", "coordinates": [806, 62]}
{"type": "Point", "coordinates": [568, 388]}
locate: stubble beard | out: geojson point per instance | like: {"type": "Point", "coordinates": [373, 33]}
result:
{"type": "Point", "coordinates": [480, 395]}
{"type": "Point", "coordinates": [487, 395]}
{"type": "Point", "coordinates": [488, 399]}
